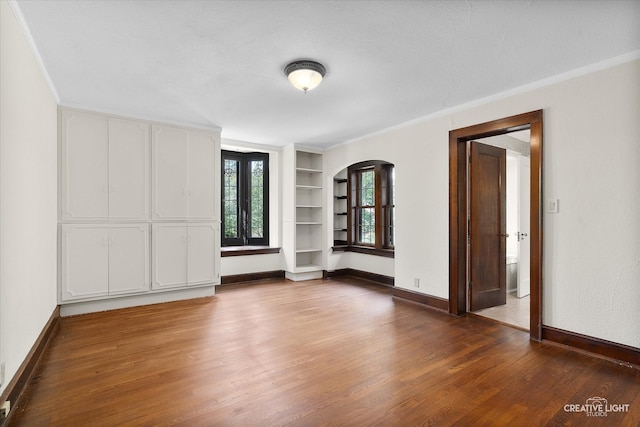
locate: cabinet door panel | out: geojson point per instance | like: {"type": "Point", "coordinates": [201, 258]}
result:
{"type": "Point", "coordinates": [169, 256]}
{"type": "Point", "coordinates": [85, 162]}
{"type": "Point", "coordinates": [128, 169]}
{"type": "Point", "coordinates": [169, 173]}
{"type": "Point", "coordinates": [85, 265]}
{"type": "Point", "coordinates": [202, 254]}
{"type": "Point", "coordinates": [201, 177]}
{"type": "Point", "coordinates": [128, 259]}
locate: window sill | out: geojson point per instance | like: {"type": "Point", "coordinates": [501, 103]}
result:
{"type": "Point", "coordinates": [387, 253]}
{"type": "Point", "coordinates": [247, 250]}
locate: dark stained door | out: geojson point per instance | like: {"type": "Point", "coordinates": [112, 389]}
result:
{"type": "Point", "coordinates": [487, 226]}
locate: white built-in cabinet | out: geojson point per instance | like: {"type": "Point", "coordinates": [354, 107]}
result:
{"type": "Point", "coordinates": [183, 174]}
{"type": "Point", "coordinates": [182, 254]}
{"type": "Point", "coordinates": [139, 207]}
{"type": "Point", "coordinates": [303, 230]}
{"type": "Point", "coordinates": [104, 260]}
{"type": "Point", "coordinates": [104, 167]}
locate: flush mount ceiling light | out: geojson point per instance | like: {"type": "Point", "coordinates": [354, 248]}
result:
{"type": "Point", "coordinates": [305, 75]}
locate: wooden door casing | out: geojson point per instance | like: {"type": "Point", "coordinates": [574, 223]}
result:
{"type": "Point", "coordinates": [458, 209]}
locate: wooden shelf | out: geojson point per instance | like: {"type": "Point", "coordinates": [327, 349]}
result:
{"type": "Point", "coordinates": [341, 197]}
{"type": "Point", "coordinates": [340, 180]}
{"type": "Point", "coordinates": [309, 187]}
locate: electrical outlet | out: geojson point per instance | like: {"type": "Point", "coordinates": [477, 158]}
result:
{"type": "Point", "coordinates": [4, 409]}
{"type": "Point", "coordinates": [416, 283]}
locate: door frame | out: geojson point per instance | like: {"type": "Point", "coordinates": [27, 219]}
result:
{"type": "Point", "coordinates": [458, 204]}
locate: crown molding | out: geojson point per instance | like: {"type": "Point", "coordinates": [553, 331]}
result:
{"type": "Point", "coordinates": [17, 13]}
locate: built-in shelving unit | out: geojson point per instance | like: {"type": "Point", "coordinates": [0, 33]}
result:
{"type": "Point", "coordinates": [303, 234]}
{"type": "Point", "coordinates": [340, 209]}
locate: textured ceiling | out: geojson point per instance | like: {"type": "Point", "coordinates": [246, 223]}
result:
{"type": "Point", "coordinates": [220, 63]}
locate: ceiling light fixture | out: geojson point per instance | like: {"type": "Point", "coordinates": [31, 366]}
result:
{"type": "Point", "coordinates": [305, 75]}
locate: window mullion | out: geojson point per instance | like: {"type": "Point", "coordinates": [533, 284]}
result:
{"type": "Point", "coordinates": [379, 225]}
{"type": "Point", "coordinates": [352, 192]}
{"type": "Point", "coordinates": [247, 198]}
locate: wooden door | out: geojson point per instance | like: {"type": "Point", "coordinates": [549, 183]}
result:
{"type": "Point", "coordinates": [487, 232]}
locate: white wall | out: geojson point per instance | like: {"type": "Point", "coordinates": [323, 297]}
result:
{"type": "Point", "coordinates": [250, 264]}
{"type": "Point", "coordinates": [28, 177]}
{"type": "Point", "coordinates": [512, 204]}
{"type": "Point", "coordinates": [591, 261]}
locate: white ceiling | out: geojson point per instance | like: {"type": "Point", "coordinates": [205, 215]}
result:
{"type": "Point", "coordinates": [220, 63]}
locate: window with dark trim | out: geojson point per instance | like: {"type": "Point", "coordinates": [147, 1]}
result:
{"type": "Point", "coordinates": [245, 199]}
{"type": "Point", "coordinates": [371, 216]}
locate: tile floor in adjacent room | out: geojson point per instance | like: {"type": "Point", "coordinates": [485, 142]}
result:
{"type": "Point", "coordinates": [514, 312]}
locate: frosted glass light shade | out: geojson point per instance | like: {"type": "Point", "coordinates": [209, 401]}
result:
{"type": "Point", "coordinates": [305, 75]}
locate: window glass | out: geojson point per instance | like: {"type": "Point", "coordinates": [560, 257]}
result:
{"type": "Point", "coordinates": [257, 198]}
{"type": "Point", "coordinates": [230, 197]}
{"type": "Point", "coordinates": [366, 219]}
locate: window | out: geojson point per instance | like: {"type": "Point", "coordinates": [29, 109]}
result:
{"type": "Point", "coordinates": [371, 215]}
{"type": "Point", "coordinates": [365, 207]}
{"type": "Point", "coordinates": [245, 199]}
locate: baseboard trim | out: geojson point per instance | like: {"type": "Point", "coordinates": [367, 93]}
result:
{"type": "Point", "coordinates": [590, 344]}
{"type": "Point", "coordinates": [126, 301]}
{"type": "Point", "coordinates": [25, 372]}
{"type": "Point", "coordinates": [365, 275]}
{"type": "Point", "coordinates": [250, 277]}
{"type": "Point", "coordinates": [423, 299]}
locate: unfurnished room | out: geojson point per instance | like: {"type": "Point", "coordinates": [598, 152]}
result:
{"type": "Point", "coordinates": [319, 213]}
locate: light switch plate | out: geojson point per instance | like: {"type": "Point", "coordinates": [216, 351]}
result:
{"type": "Point", "coordinates": [552, 205]}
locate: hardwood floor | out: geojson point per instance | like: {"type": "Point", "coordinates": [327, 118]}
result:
{"type": "Point", "coordinates": [324, 352]}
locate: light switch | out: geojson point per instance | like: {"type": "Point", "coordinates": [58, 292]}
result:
{"type": "Point", "coordinates": [552, 205]}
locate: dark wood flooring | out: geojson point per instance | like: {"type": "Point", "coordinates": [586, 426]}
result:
{"type": "Point", "coordinates": [323, 352]}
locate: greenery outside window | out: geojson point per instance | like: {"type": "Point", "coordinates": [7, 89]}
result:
{"type": "Point", "coordinates": [245, 199]}
{"type": "Point", "coordinates": [371, 215]}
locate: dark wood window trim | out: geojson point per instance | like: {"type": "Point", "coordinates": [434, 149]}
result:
{"type": "Point", "coordinates": [244, 180]}
{"type": "Point", "coordinates": [388, 253]}
{"type": "Point", "coordinates": [247, 250]}
{"type": "Point", "coordinates": [383, 204]}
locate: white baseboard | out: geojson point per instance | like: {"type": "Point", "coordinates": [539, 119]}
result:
{"type": "Point", "coordinates": [85, 307]}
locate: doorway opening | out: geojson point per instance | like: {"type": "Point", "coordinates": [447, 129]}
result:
{"type": "Point", "coordinates": [509, 302]}
{"type": "Point", "coordinates": [460, 203]}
